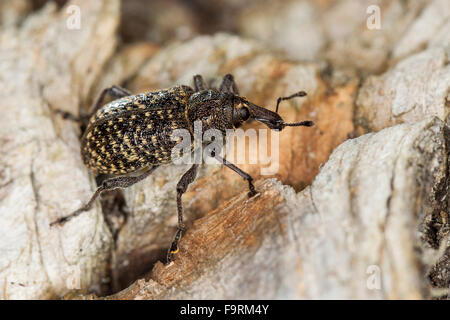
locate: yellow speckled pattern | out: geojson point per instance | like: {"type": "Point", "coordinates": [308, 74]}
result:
{"type": "Point", "coordinates": [133, 132]}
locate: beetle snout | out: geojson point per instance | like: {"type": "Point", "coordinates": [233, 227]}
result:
{"type": "Point", "coordinates": [274, 124]}
{"type": "Point", "coordinates": [269, 118]}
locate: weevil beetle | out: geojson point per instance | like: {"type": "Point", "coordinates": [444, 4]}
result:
{"type": "Point", "coordinates": [131, 136]}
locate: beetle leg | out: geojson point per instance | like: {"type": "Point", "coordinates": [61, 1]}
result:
{"type": "Point", "coordinates": [67, 115]}
{"type": "Point", "coordinates": [187, 178]}
{"type": "Point", "coordinates": [199, 84]}
{"type": "Point", "coordinates": [243, 174]}
{"type": "Point", "coordinates": [114, 91]}
{"type": "Point", "coordinates": [108, 184]}
{"type": "Point", "coordinates": [228, 85]}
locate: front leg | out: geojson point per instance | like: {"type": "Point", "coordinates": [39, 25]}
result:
{"type": "Point", "coordinates": [243, 174]}
{"type": "Point", "coordinates": [228, 85]}
{"type": "Point", "coordinates": [187, 178]}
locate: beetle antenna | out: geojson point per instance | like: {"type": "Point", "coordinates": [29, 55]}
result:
{"type": "Point", "coordinates": [307, 123]}
{"type": "Point", "coordinates": [298, 94]}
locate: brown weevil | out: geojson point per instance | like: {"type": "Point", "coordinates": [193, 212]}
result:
{"type": "Point", "coordinates": [131, 136]}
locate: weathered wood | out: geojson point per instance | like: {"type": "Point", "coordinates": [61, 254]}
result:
{"type": "Point", "coordinates": [352, 234]}
{"type": "Point", "coordinates": [416, 87]}
{"type": "Point", "coordinates": [369, 221]}
{"type": "Point", "coordinates": [261, 77]}
{"type": "Point", "coordinates": [47, 66]}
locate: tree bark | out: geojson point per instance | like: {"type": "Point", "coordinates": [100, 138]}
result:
{"type": "Point", "coordinates": [353, 234]}
{"type": "Point", "coordinates": [357, 208]}
{"type": "Point", "coordinates": [47, 66]}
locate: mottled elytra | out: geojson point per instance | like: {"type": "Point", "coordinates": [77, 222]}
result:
{"type": "Point", "coordinates": [131, 136]}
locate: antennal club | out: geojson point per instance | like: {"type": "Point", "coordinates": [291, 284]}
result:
{"type": "Point", "coordinates": [298, 94]}
{"type": "Point", "coordinates": [307, 123]}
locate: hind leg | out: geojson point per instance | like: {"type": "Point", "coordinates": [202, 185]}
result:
{"type": "Point", "coordinates": [114, 91]}
{"type": "Point", "coordinates": [109, 184]}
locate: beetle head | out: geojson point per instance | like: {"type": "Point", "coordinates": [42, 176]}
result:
{"type": "Point", "coordinates": [224, 110]}
{"type": "Point", "coordinates": [245, 110]}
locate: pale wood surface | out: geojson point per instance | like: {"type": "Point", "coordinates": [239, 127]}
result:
{"type": "Point", "coordinates": [358, 208]}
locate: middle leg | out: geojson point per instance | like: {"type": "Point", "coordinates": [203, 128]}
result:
{"type": "Point", "coordinates": [182, 186]}
{"type": "Point", "coordinates": [199, 84]}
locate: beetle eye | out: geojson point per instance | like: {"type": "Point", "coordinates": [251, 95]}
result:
{"type": "Point", "coordinates": [244, 114]}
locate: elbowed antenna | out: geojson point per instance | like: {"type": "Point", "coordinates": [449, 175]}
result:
{"type": "Point", "coordinates": [273, 119]}
{"type": "Point", "coordinates": [298, 94]}
{"type": "Point", "coordinates": [307, 123]}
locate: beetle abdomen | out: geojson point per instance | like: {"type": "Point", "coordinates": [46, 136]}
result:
{"type": "Point", "coordinates": [135, 132]}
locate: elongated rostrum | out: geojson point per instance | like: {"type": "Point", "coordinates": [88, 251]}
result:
{"type": "Point", "coordinates": [130, 137]}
